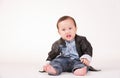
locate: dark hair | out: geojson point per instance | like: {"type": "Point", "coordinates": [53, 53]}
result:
{"type": "Point", "coordinates": [64, 18]}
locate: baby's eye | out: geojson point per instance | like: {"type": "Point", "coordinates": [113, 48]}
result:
{"type": "Point", "coordinates": [70, 28]}
{"type": "Point", "coordinates": [63, 29]}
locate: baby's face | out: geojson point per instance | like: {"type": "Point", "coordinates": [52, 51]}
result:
{"type": "Point", "coordinates": [67, 29]}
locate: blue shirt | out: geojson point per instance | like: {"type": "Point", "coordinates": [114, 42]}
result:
{"type": "Point", "coordinates": [70, 50]}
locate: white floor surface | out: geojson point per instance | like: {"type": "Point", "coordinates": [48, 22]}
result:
{"type": "Point", "coordinates": [30, 70]}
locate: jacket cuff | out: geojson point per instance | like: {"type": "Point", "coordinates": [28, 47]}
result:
{"type": "Point", "coordinates": [88, 57]}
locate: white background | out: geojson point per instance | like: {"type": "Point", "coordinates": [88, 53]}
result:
{"type": "Point", "coordinates": [28, 28]}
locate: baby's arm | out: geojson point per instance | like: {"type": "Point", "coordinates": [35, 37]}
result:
{"type": "Point", "coordinates": [87, 52]}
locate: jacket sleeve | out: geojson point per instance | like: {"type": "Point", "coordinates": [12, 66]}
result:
{"type": "Point", "coordinates": [54, 52]}
{"type": "Point", "coordinates": [86, 47]}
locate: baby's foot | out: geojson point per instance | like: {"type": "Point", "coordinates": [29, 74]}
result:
{"type": "Point", "coordinates": [81, 71]}
{"type": "Point", "coordinates": [51, 70]}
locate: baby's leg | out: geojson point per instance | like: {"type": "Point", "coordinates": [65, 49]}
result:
{"type": "Point", "coordinates": [57, 66]}
{"type": "Point", "coordinates": [80, 71]}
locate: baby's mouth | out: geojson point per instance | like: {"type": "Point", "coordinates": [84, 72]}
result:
{"type": "Point", "coordinates": [68, 36]}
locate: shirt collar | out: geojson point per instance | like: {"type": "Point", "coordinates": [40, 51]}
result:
{"type": "Point", "coordinates": [70, 41]}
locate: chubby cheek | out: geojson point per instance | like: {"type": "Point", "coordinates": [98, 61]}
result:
{"type": "Point", "coordinates": [62, 34]}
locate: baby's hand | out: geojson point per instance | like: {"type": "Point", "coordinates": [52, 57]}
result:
{"type": "Point", "coordinates": [85, 61]}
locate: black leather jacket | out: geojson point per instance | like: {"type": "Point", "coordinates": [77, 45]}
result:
{"type": "Point", "coordinates": [83, 46]}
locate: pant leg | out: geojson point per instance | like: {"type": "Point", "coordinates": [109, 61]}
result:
{"type": "Point", "coordinates": [76, 64]}
{"type": "Point", "coordinates": [60, 64]}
